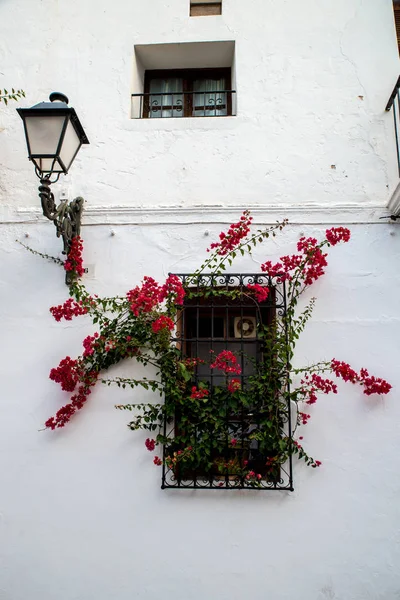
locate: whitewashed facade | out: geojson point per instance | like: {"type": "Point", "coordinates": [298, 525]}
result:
{"type": "Point", "coordinates": [82, 514]}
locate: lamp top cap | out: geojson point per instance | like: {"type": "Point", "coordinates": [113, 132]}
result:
{"type": "Point", "coordinates": [58, 97]}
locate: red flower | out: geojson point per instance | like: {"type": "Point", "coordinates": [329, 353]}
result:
{"type": "Point", "coordinates": [315, 383]}
{"type": "Point", "coordinates": [74, 260]}
{"type": "Point", "coordinates": [157, 461]}
{"type": "Point", "coordinates": [162, 322]}
{"type": "Point", "coordinates": [343, 370]}
{"type": "Point", "coordinates": [374, 385]}
{"type": "Point", "coordinates": [150, 444]}
{"type": "Point", "coordinates": [273, 270]}
{"type": "Point", "coordinates": [226, 361]}
{"type": "Point", "coordinates": [145, 297]}
{"type": "Point", "coordinates": [233, 237]}
{"type": "Point", "coordinates": [234, 385]}
{"type": "Point", "coordinates": [67, 374]}
{"type": "Point", "coordinates": [173, 290]}
{"type": "Point", "coordinates": [89, 343]}
{"type": "Point", "coordinates": [337, 234]}
{"type": "Point", "coordinates": [304, 418]}
{"type": "Point", "coordinates": [233, 441]}
{"type": "Point", "coordinates": [68, 310]}
{"type": "Point", "coordinates": [77, 402]}
{"type": "Point", "coordinates": [191, 363]}
{"type": "Point", "coordinates": [261, 292]}
{"type": "Point", "coordinates": [198, 394]}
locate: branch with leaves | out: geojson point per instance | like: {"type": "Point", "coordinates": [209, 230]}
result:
{"type": "Point", "coordinates": [6, 96]}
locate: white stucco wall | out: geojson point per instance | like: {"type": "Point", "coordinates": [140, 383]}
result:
{"type": "Point", "coordinates": [82, 514]}
{"type": "Point", "coordinates": [312, 82]}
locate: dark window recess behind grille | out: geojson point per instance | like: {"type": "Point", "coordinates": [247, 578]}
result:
{"type": "Point", "coordinates": [209, 322]}
{"type": "Point", "coordinates": [187, 93]}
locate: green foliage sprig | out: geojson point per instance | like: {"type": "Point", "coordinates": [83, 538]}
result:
{"type": "Point", "coordinates": [6, 96]}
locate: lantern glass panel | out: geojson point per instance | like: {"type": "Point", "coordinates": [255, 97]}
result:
{"type": "Point", "coordinates": [44, 134]}
{"type": "Point", "coordinates": [70, 146]}
{"type": "Point", "coordinates": [48, 165]}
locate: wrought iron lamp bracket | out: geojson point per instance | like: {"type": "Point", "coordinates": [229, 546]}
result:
{"type": "Point", "coordinates": [66, 216]}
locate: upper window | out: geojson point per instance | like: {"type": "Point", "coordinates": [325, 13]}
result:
{"type": "Point", "coordinates": [187, 93]}
{"type": "Point", "coordinates": [193, 79]}
{"type": "Point", "coordinates": [205, 8]}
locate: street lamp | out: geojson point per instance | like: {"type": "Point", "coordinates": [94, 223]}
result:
{"type": "Point", "coordinates": [54, 136]}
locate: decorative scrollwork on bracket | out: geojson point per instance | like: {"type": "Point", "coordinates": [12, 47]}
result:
{"type": "Point", "coordinates": [66, 216]}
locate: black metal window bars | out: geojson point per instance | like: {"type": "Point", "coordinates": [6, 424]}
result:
{"type": "Point", "coordinates": [394, 101]}
{"type": "Point", "coordinates": [211, 321]}
{"type": "Point", "coordinates": [183, 104]}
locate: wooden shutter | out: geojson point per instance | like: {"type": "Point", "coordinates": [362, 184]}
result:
{"type": "Point", "coordinates": [396, 8]}
{"type": "Point", "coordinates": [203, 9]}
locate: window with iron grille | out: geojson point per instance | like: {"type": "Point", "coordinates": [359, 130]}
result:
{"type": "Point", "coordinates": [220, 314]}
{"type": "Point", "coordinates": [187, 93]}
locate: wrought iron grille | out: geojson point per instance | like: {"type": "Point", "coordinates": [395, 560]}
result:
{"type": "Point", "coordinates": [394, 102]}
{"type": "Point", "coordinates": [183, 104]}
{"type": "Point", "coordinates": [211, 321]}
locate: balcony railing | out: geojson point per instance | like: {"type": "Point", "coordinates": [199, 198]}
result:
{"type": "Point", "coordinates": [394, 102]}
{"type": "Point", "coordinates": [184, 104]}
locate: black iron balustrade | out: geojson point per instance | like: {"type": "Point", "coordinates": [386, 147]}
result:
{"type": "Point", "coordinates": [214, 103]}
{"type": "Point", "coordinates": [211, 320]}
{"type": "Point", "coordinates": [394, 102]}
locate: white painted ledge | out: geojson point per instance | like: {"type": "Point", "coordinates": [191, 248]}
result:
{"type": "Point", "coordinates": [267, 214]}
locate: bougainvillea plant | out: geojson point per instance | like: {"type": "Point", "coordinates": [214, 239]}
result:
{"type": "Point", "coordinates": [275, 397]}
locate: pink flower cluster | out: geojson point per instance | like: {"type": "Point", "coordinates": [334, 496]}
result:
{"type": "Point", "coordinates": [261, 292]}
{"type": "Point", "coordinates": [304, 418]}
{"type": "Point", "coordinates": [89, 344]}
{"type": "Point", "coordinates": [374, 385]}
{"type": "Point", "coordinates": [68, 310]}
{"type": "Point", "coordinates": [312, 260]}
{"type": "Point", "coordinates": [191, 363]}
{"type": "Point", "coordinates": [171, 461]}
{"type": "Point", "coordinates": [344, 371]}
{"type": "Point", "coordinates": [337, 234]}
{"type": "Point", "coordinates": [150, 444]}
{"type": "Point", "coordinates": [173, 289]}
{"type": "Point", "coordinates": [226, 361]}
{"type": "Point", "coordinates": [234, 385]}
{"type": "Point", "coordinates": [371, 384]}
{"type": "Point", "coordinates": [162, 322]}
{"type": "Point", "coordinates": [316, 383]}
{"type": "Point", "coordinates": [146, 297]}
{"type": "Point", "coordinates": [198, 393]}
{"type": "Point", "coordinates": [235, 234]}
{"type": "Point", "coordinates": [74, 260]}
{"type": "Point", "coordinates": [67, 374]}
{"type": "Point", "coordinates": [77, 402]}
{"type": "Point", "coordinates": [253, 476]}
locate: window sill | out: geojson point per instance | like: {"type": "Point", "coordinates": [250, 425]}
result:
{"type": "Point", "coordinates": [184, 123]}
